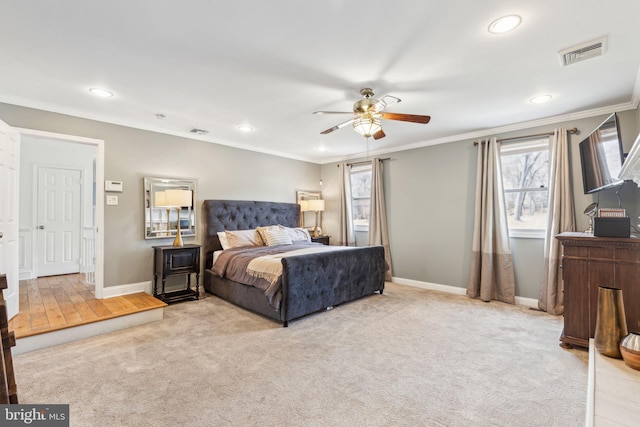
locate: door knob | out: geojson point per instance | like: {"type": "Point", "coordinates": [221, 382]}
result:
{"type": "Point", "coordinates": [41, 227]}
{"type": "Point", "coordinates": [1, 234]}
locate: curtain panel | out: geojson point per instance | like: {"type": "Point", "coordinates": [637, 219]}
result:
{"type": "Point", "coordinates": [492, 276]}
{"type": "Point", "coordinates": [378, 231]}
{"type": "Point", "coordinates": [561, 218]}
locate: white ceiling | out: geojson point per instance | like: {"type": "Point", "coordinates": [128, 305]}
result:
{"type": "Point", "coordinates": [215, 65]}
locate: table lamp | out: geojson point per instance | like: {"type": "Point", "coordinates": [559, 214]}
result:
{"type": "Point", "coordinates": [179, 199]}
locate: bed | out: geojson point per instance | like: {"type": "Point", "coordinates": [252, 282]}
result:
{"type": "Point", "coordinates": [309, 283]}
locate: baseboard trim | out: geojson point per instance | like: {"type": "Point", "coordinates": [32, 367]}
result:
{"type": "Point", "coordinates": [430, 286]}
{"type": "Point", "coordinates": [26, 275]}
{"type": "Point", "coordinates": [527, 302]}
{"type": "Point", "coordinates": [131, 288]}
{"type": "Point", "coordinates": [62, 336]}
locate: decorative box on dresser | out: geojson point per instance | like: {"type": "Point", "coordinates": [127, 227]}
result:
{"type": "Point", "coordinates": [587, 263]}
{"type": "Point", "coordinates": [172, 261]}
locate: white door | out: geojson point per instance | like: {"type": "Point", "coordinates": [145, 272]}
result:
{"type": "Point", "coordinates": [9, 165]}
{"type": "Point", "coordinates": [59, 217]}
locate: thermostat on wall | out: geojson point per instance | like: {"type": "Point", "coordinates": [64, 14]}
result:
{"type": "Point", "coordinates": [114, 186]}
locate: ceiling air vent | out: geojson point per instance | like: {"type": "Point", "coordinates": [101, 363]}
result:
{"type": "Point", "coordinates": [583, 51]}
{"type": "Point", "coordinates": [199, 131]}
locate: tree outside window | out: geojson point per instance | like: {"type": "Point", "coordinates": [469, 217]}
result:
{"type": "Point", "coordinates": [525, 178]}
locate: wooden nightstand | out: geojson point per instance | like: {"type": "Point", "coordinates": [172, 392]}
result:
{"type": "Point", "coordinates": [321, 239]}
{"type": "Point", "coordinates": [171, 261]}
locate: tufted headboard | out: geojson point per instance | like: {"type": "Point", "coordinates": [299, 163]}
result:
{"type": "Point", "coordinates": [220, 215]}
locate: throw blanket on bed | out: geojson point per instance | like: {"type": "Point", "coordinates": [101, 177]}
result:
{"type": "Point", "coordinates": [269, 267]}
{"type": "Point", "coordinates": [233, 264]}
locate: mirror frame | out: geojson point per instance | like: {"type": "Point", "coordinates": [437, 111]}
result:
{"type": "Point", "coordinates": [308, 195]}
{"type": "Point", "coordinates": [161, 222]}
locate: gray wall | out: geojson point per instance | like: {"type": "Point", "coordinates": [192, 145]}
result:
{"type": "Point", "coordinates": [430, 196]}
{"type": "Point", "coordinates": [130, 154]}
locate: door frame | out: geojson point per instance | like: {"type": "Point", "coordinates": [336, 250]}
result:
{"type": "Point", "coordinates": [10, 250]}
{"type": "Point", "coordinates": [99, 144]}
{"type": "Point", "coordinates": [35, 243]}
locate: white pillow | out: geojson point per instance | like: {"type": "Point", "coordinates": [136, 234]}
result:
{"type": "Point", "coordinates": [243, 238]}
{"type": "Point", "coordinates": [274, 235]}
{"type": "Point", "coordinates": [297, 234]}
{"type": "Point", "coordinates": [223, 240]}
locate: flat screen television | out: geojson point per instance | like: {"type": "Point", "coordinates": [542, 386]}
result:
{"type": "Point", "coordinates": [601, 156]}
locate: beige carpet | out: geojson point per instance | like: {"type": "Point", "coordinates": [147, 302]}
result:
{"type": "Point", "coordinates": [410, 357]}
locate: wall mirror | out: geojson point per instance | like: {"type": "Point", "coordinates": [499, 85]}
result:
{"type": "Point", "coordinates": [307, 216]}
{"type": "Point", "coordinates": [169, 203]}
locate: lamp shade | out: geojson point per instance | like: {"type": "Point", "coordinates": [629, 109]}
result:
{"type": "Point", "coordinates": [178, 198]}
{"type": "Point", "coordinates": [304, 205]}
{"type": "Point", "coordinates": [160, 199]}
{"type": "Point", "coordinates": [367, 126]}
{"type": "Point", "coordinates": [315, 205]}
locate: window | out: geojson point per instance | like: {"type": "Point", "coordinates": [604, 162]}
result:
{"type": "Point", "coordinates": [361, 196]}
{"type": "Point", "coordinates": [525, 178]}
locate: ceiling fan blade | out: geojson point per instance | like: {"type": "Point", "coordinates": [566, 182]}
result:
{"type": "Point", "coordinates": [389, 100]}
{"type": "Point", "coordinates": [336, 127]}
{"type": "Point", "coordinates": [414, 118]}
{"type": "Point", "coordinates": [333, 112]}
{"type": "Point", "coordinates": [378, 135]}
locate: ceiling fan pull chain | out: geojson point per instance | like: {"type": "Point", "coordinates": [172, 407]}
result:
{"type": "Point", "coordinates": [367, 148]}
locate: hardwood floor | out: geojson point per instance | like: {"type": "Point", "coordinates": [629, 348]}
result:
{"type": "Point", "coordinates": [57, 302]}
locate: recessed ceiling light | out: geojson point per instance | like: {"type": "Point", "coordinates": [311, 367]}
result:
{"type": "Point", "coordinates": [504, 24]}
{"type": "Point", "coordinates": [100, 92]}
{"type": "Point", "coordinates": [540, 99]}
{"type": "Point", "coordinates": [245, 128]}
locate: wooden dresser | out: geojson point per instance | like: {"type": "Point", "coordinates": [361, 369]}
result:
{"type": "Point", "coordinates": [587, 263]}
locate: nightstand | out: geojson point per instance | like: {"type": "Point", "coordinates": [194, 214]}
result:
{"type": "Point", "coordinates": [321, 239]}
{"type": "Point", "coordinates": [176, 260]}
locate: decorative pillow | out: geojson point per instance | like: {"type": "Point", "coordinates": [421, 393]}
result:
{"type": "Point", "coordinates": [297, 234]}
{"type": "Point", "coordinates": [223, 240]}
{"type": "Point", "coordinates": [262, 231]}
{"type": "Point", "coordinates": [274, 235]}
{"type": "Point", "coordinates": [242, 238]}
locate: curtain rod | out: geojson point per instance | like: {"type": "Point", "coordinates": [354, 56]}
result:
{"type": "Point", "coordinates": [574, 130]}
{"type": "Point", "coordinates": [366, 161]}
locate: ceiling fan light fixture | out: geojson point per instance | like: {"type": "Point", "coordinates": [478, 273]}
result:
{"type": "Point", "coordinates": [367, 126]}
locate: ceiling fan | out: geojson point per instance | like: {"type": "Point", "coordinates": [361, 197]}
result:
{"type": "Point", "coordinates": [368, 112]}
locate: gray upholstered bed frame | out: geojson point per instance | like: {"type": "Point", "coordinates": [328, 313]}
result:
{"type": "Point", "coordinates": [310, 282]}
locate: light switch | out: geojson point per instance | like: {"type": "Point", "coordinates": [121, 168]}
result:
{"type": "Point", "coordinates": [112, 200]}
